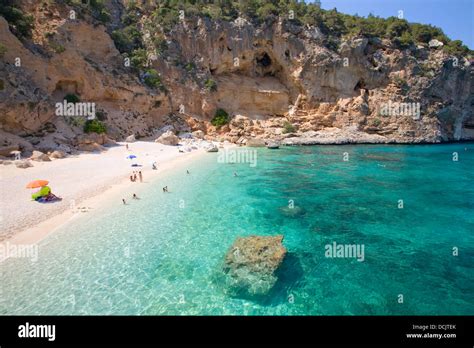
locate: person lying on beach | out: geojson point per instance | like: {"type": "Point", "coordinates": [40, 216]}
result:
{"type": "Point", "coordinates": [49, 198]}
{"type": "Point", "coordinates": [135, 196]}
{"type": "Point", "coordinates": [45, 195]}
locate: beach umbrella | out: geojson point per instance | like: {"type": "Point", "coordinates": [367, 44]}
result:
{"type": "Point", "coordinates": [37, 183]}
{"type": "Point", "coordinates": [131, 156]}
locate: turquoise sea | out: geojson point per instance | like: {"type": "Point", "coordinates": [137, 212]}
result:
{"type": "Point", "coordinates": [162, 255]}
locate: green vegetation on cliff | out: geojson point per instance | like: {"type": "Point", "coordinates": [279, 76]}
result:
{"type": "Point", "coordinates": [221, 118]}
{"type": "Point", "coordinates": [20, 24]}
{"type": "Point", "coordinates": [94, 126]}
{"type": "Point", "coordinates": [167, 13]}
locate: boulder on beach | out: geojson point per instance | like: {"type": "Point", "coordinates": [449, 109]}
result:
{"type": "Point", "coordinates": [40, 157]}
{"type": "Point", "coordinates": [168, 138]}
{"type": "Point", "coordinates": [251, 263]}
{"type": "Point", "coordinates": [57, 154]}
{"type": "Point", "coordinates": [23, 164]}
{"type": "Point", "coordinates": [90, 147]}
{"type": "Point", "coordinates": [130, 139]}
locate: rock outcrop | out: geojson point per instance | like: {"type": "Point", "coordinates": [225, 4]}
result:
{"type": "Point", "coordinates": [251, 263]}
{"type": "Point", "coordinates": [277, 80]}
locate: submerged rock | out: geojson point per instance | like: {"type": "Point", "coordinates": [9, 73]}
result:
{"type": "Point", "coordinates": [251, 262]}
{"type": "Point", "coordinates": [292, 212]}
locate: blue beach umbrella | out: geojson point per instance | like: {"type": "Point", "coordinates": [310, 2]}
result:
{"type": "Point", "coordinates": [132, 157]}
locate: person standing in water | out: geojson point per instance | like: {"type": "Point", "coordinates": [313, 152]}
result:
{"type": "Point", "coordinates": [123, 200]}
{"type": "Point", "coordinates": [140, 176]}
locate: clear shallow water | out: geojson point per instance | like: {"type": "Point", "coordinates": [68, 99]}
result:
{"type": "Point", "coordinates": [162, 254]}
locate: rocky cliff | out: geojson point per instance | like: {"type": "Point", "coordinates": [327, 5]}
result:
{"type": "Point", "coordinates": [276, 79]}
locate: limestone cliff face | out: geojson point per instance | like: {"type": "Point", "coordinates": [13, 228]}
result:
{"type": "Point", "coordinates": [277, 80]}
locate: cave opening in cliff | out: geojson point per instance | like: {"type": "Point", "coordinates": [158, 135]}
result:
{"type": "Point", "coordinates": [264, 60]}
{"type": "Point", "coordinates": [264, 65]}
{"type": "Point", "coordinates": [360, 85]}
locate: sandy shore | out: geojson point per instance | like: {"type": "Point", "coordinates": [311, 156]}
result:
{"type": "Point", "coordinates": [84, 182]}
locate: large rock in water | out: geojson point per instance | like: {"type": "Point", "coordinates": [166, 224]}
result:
{"type": "Point", "coordinates": [251, 262]}
{"type": "Point", "coordinates": [168, 138]}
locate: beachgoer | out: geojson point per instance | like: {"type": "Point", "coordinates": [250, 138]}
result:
{"type": "Point", "coordinates": [235, 174]}
{"type": "Point", "coordinates": [153, 166]}
{"type": "Point", "coordinates": [126, 146]}
{"type": "Point", "coordinates": [123, 200]}
{"type": "Point", "coordinates": [164, 189]}
{"type": "Point", "coordinates": [135, 196]}
{"type": "Point", "coordinates": [131, 178]}
{"type": "Point", "coordinates": [140, 175]}
{"type": "Point", "coordinates": [187, 171]}
{"type": "Point", "coordinates": [134, 176]}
